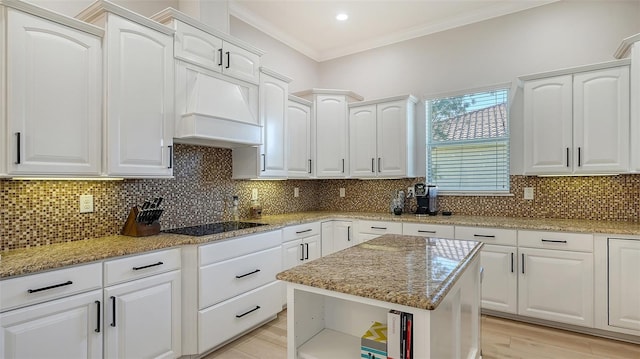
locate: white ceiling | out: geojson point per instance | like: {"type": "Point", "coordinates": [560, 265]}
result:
{"type": "Point", "coordinates": [310, 26]}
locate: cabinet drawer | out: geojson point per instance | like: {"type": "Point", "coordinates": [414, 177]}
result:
{"type": "Point", "coordinates": [238, 246]}
{"type": "Point", "coordinates": [300, 231]}
{"type": "Point", "coordinates": [41, 287]}
{"type": "Point", "coordinates": [427, 230]}
{"type": "Point", "coordinates": [556, 240]}
{"type": "Point", "coordinates": [223, 280]}
{"type": "Point", "coordinates": [227, 320]}
{"type": "Point", "coordinates": [144, 265]}
{"type": "Point", "coordinates": [380, 228]}
{"type": "Point", "coordinates": [505, 237]}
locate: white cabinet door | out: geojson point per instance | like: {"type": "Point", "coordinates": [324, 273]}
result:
{"type": "Point", "coordinates": [331, 136]}
{"type": "Point", "coordinates": [299, 140]}
{"type": "Point", "coordinates": [392, 139]}
{"type": "Point", "coordinates": [54, 79]}
{"type": "Point", "coordinates": [500, 280]}
{"type": "Point", "coordinates": [240, 63]}
{"type": "Point", "coordinates": [198, 47]}
{"type": "Point", "coordinates": [140, 97]}
{"type": "Point", "coordinates": [548, 125]}
{"type": "Point", "coordinates": [362, 141]}
{"type": "Point", "coordinates": [273, 117]}
{"type": "Point", "coordinates": [624, 286]}
{"type": "Point", "coordinates": [601, 121]}
{"type": "Point", "coordinates": [143, 318]}
{"type": "Point", "coordinates": [312, 248]}
{"type": "Point", "coordinates": [65, 328]}
{"type": "Point", "coordinates": [556, 285]}
{"type": "Point", "coordinates": [3, 88]}
{"type": "Point", "coordinates": [292, 254]}
{"type": "Point", "coordinates": [343, 237]}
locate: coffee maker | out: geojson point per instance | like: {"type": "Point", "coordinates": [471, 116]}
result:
{"type": "Point", "coordinates": [426, 198]}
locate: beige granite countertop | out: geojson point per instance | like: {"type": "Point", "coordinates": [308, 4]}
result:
{"type": "Point", "coordinates": [416, 271]}
{"type": "Point", "coordinates": [32, 260]}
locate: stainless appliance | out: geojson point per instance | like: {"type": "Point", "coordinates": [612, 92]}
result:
{"type": "Point", "coordinates": [212, 228]}
{"type": "Point", "coordinates": [426, 199]}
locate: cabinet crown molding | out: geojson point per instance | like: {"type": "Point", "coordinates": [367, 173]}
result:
{"type": "Point", "coordinates": [624, 50]}
{"type": "Point", "coordinates": [169, 14]}
{"type": "Point", "coordinates": [316, 91]}
{"type": "Point", "coordinates": [573, 70]}
{"type": "Point", "coordinates": [272, 73]}
{"type": "Point", "coordinates": [300, 100]}
{"type": "Point", "coordinates": [409, 98]}
{"type": "Point", "coordinates": [53, 16]}
{"type": "Point", "coordinates": [99, 7]}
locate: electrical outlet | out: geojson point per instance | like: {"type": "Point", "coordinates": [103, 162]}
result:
{"type": "Point", "coordinates": [528, 193]}
{"type": "Point", "coordinates": [296, 192]}
{"type": "Point", "coordinates": [254, 194]}
{"type": "Point", "coordinates": [410, 192]}
{"type": "Point", "coordinates": [86, 203]}
{"type": "Point", "coordinates": [342, 192]}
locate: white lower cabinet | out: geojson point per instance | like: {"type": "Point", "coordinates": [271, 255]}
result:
{"type": "Point", "coordinates": [428, 230]}
{"type": "Point", "coordinates": [500, 280]}
{"type": "Point", "coordinates": [624, 287]}
{"type": "Point", "coordinates": [336, 236]}
{"type": "Point", "coordinates": [371, 229]}
{"type": "Point", "coordinates": [229, 288]}
{"type": "Point", "coordinates": [556, 285]}
{"type": "Point", "coordinates": [70, 327]}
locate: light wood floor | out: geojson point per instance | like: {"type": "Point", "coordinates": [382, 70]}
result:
{"type": "Point", "coordinates": [501, 339]}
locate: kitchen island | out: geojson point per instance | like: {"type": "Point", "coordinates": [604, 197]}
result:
{"type": "Point", "coordinates": [333, 300]}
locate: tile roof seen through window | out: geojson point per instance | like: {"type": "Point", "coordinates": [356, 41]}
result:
{"type": "Point", "coordinates": [488, 122]}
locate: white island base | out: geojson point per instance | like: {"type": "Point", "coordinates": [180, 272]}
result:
{"type": "Point", "coordinates": [324, 324]}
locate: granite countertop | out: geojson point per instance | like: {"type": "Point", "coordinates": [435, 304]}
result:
{"type": "Point", "coordinates": [416, 271]}
{"type": "Point", "coordinates": [32, 260]}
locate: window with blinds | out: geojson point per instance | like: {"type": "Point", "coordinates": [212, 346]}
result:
{"type": "Point", "coordinates": [468, 142]}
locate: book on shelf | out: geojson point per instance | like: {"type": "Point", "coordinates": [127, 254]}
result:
{"type": "Point", "coordinates": [373, 343]}
{"type": "Point", "coordinates": [399, 335]}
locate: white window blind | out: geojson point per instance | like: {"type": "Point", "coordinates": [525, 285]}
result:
{"type": "Point", "coordinates": [468, 142]}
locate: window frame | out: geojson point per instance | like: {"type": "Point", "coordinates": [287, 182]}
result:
{"type": "Point", "coordinates": [509, 87]}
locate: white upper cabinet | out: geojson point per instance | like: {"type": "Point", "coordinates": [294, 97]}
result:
{"type": "Point", "coordinates": [139, 92]}
{"type": "Point", "coordinates": [631, 47]}
{"type": "Point", "coordinates": [548, 125]}
{"type": "Point", "coordinates": [601, 120]}
{"type": "Point", "coordinates": [202, 45]}
{"type": "Point", "coordinates": [53, 96]}
{"type": "Point", "coordinates": [3, 99]}
{"type": "Point", "coordinates": [331, 126]}
{"type": "Point", "coordinates": [299, 157]}
{"type": "Point", "coordinates": [381, 138]}
{"type": "Point", "coordinates": [270, 159]}
{"type": "Point", "coordinates": [578, 123]}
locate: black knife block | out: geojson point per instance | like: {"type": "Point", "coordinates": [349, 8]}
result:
{"type": "Point", "coordinates": [133, 228]}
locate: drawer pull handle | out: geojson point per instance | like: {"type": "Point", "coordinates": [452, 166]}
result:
{"type": "Point", "coordinates": [301, 251]}
{"type": "Point", "coordinates": [423, 231]}
{"type": "Point", "coordinates": [228, 60]}
{"type": "Point", "coordinates": [97, 330]}
{"type": "Point", "coordinates": [170, 157]}
{"type": "Point", "coordinates": [220, 57]}
{"type": "Point", "coordinates": [553, 241]}
{"type": "Point", "coordinates": [50, 287]}
{"type": "Point", "coordinates": [18, 148]}
{"type": "Point", "coordinates": [306, 256]}
{"type": "Point", "coordinates": [245, 313]}
{"type": "Point", "coordinates": [148, 266]}
{"type": "Point", "coordinates": [378, 227]}
{"type": "Point", "coordinates": [247, 274]}
{"type": "Point", "coordinates": [113, 311]}
{"type": "Point", "coordinates": [348, 233]}
{"type": "Point", "coordinates": [522, 263]}
{"type": "Point", "coordinates": [511, 262]}
{"type": "Point", "coordinates": [484, 236]}
{"type": "Point", "coordinates": [305, 231]}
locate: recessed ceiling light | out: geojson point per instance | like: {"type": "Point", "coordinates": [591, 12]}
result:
{"type": "Point", "coordinates": [342, 17]}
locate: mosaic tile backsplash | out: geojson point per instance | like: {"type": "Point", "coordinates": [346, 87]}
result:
{"type": "Point", "coordinates": [34, 213]}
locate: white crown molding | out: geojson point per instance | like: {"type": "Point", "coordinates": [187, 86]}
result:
{"type": "Point", "coordinates": [241, 12]}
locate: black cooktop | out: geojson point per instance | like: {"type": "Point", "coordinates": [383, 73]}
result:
{"type": "Point", "coordinates": [212, 228]}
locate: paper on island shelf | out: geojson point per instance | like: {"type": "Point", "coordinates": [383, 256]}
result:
{"type": "Point", "coordinates": [394, 331]}
{"type": "Point", "coordinates": [373, 343]}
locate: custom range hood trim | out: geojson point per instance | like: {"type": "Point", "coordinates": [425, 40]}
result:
{"type": "Point", "coordinates": [215, 110]}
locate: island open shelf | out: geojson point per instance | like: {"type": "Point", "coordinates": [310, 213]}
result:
{"type": "Point", "coordinates": [328, 324]}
